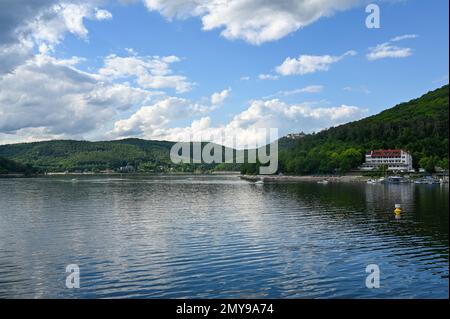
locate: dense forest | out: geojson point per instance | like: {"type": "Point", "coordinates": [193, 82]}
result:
{"type": "Point", "coordinates": [11, 167]}
{"type": "Point", "coordinates": [83, 156]}
{"type": "Point", "coordinates": [61, 155]}
{"type": "Point", "coordinates": [419, 126]}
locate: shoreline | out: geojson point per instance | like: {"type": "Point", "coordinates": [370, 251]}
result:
{"type": "Point", "coordinates": [304, 178]}
{"type": "Point", "coordinates": [62, 174]}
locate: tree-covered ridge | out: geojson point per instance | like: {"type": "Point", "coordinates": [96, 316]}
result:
{"type": "Point", "coordinates": [83, 156]}
{"type": "Point", "coordinates": [419, 126]}
{"type": "Point", "coordinates": [61, 155]}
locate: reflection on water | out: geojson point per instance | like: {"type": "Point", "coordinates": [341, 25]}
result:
{"type": "Point", "coordinates": [217, 236]}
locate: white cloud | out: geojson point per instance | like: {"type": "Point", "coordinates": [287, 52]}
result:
{"type": "Point", "coordinates": [268, 77]}
{"type": "Point", "coordinates": [51, 24]}
{"type": "Point", "coordinates": [255, 21]}
{"type": "Point", "coordinates": [385, 50]}
{"type": "Point", "coordinates": [52, 97]}
{"type": "Point", "coordinates": [150, 72]}
{"type": "Point", "coordinates": [26, 24]}
{"type": "Point", "coordinates": [101, 14]}
{"type": "Point", "coordinates": [149, 119]}
{"type": "Point", "coordinates": [244, 78]}
{"type": "Point", "coordinates": [15, 15]}
{"type": "Point", "coordinates": [306, 89]}
{"type": "Point", "coordinates": [32, 134]}
{"type": "Point", "coordinates": [119, 96]}
{"type": "Point", "coordinates": [305, 64]}
{"type": "Point", "coordinates": [218, 98]}
{"type": "Point", "coordinates": [404, 37]}
{"type": "Point", "coordinates": [360, 89]}
{"type": "Point", "coordinates": [153, 122]}
{"type": "Point", "coordinates": [12, 55]}
{"type": "Point", "coordinates": [388, 50]}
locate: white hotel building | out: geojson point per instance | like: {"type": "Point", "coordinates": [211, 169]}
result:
{"type": "Point", "coordinates": [395, 160]}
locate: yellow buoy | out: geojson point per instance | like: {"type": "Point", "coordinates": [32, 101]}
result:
{"type": "Point", "coordinates": [397, 210]}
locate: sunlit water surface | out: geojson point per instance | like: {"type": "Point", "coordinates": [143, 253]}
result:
{"type": "Point", "coordinates": [218, 236]}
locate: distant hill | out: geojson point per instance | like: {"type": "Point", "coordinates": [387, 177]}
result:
{"type": "Point", "coordinates": [73, 156]}
{"type": "Point", "coordinates": [61, 155]}
{"type": "Point", "coordinates": [419, 126]}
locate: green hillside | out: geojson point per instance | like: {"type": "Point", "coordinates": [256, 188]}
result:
{"type": "Point", "coordinates": [61, 155]}
{"type": "Point", "coordinates": [70, 155]}
{"type": "Point", "coordinates": [419, 126]}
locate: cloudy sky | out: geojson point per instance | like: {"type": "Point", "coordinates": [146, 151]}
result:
{"type": "Point", "coordinates": [171, 69]}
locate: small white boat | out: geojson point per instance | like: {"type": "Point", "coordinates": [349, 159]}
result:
{"type": "Point", "coordinates": [259, 183]}
{"type": "Point", "coordinates": [324, 182]}
{"type": "Point", "coordinates": [371, 181]}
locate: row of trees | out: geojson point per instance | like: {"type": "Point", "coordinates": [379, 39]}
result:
{"type": "Point", "coordinates": [7, 167]}
{"type": "Point", "coordinates": [430, 163]}
{"type": "Point", "coordinates": [320, 161]}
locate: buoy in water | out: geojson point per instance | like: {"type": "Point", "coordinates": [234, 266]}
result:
{"type": "Point", "coordinates": [397, 210]}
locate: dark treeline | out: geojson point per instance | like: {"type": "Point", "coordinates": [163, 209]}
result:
{"type": "Point", "coordinates": [11, 167]}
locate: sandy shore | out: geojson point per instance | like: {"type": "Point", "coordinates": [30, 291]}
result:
{"type": "Point", "coordinates": [308, 178]}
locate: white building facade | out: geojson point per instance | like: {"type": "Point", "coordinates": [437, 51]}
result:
{"type": "Point", "coordinates": [395, 160]}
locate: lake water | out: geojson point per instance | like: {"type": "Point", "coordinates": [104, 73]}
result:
{"type": "Point", "coordinates": [218, 236]}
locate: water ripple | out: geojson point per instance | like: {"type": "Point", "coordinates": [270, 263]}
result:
{"type": "Point", "coordinates": [218, 236]}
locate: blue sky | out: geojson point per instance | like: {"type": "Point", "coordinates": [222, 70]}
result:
{"type": "Point", "coordinates": [330, 78]}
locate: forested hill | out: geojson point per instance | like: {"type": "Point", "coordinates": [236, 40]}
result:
{"type": "Point", "coordinates": [61, 155]}
{"type": "Point", "coordinates": [419, 126]}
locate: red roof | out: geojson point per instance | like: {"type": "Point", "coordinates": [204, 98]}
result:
{"type": "Point", "coordinates": [386, 153]}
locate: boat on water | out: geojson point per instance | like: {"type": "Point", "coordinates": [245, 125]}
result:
{"type": "Point", "coordinates": [394, 179]}
{"type": "Point", "coordinates": [427, 180]}
{"type": "Point", "coordinates": [324, 182]}
{"type": "Point", "coordinates": [259, 182]}
{"type": "Point", "coordinates": [375, 181]}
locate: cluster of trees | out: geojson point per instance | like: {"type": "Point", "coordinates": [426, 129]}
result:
{"type": "Point", "coordinates": [320, 160]}
{"type": "Point", "coordinates": [61, 155]}
{"type": "Point", "coordinates": [430, 163]}
{"type": "Point", "coordinates": [8, 167]}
